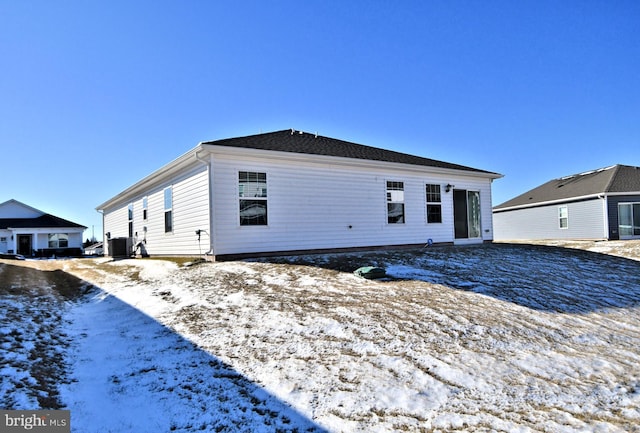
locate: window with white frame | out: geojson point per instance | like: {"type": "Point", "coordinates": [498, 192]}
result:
{"type": "Point", "coordinates": [130, 217]}
{"type": "Point", "coordinates": [252, 193]}
{"type": "Point", "coordinates": [145, 206]}
{"type": "Point", "coordinates": [58, 240]}
{"type": "Point", "coordinates": [434, 203]}
{"type": "Point", "coordinates": [395, 202]}
{"type": "Point", "coordinates": [563, 217]}
{"type": "Point", "coordinates": [168, 209]}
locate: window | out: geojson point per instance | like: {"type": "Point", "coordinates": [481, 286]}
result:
{"type": "Point", "coordinates": [168, 210]}
{"type": "Point", "coordinates": [395, 202]}
{"type": "Point", "coordinates": [3, 239]}
{"type": "Point", "coordinates": [58, 240]}
{"type": "Point", "coordinates": [130, 210]}
{"type": "Point", "coordinates": [252, 191]}
{"type": "Point", "coordinates": [629, 220]}
{"type": "Point", "coordinates": [563, 217]}
{"type": "Point", "coordinates": [145, 205]}
{"type": "Point", "coordinates": [434, 204]}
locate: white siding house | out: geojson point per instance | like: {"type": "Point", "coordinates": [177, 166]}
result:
{"type": "Point", "coordinates": [597, 204]}
{"type": "Point", "coordinates": [27, 231]}
{"type": "Point", "coordinates": [290, 191]}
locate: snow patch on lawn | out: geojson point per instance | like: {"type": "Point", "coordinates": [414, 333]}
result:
{"type": "Point", "coordinates": [491, 338]}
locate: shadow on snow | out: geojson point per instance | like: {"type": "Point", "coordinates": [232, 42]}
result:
{"type": "Point", "coordinates": [543, 278]}
{"type": "Point", "coordinates": [118, 369]}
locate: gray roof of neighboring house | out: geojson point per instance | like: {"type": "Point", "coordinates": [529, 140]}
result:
{"type": "Point", "coordinates": [290, 140]}
{"type": "Point", "coordinates": [617, 178]}
{"type": "Point", "coordinates": [44, 221]}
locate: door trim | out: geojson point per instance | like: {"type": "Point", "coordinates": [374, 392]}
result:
{"type": "Point", "coordinates": [21, 248]}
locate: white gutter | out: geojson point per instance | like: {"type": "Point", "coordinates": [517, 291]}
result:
{"type": "Point", "coordinates": [565, 200]}
{"type": "Point", "coordinates": [350, 162]}
{"type": "Point", "coordinates": [547, 203]}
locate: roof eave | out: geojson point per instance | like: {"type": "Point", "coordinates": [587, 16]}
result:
{"type": "Point", "coordinates": [49, 228]}
{"type": "Point", "coordinates": [157, 177]}
{"type": "Point", "coordinates": [345, 161]}
{"type": "Point", "coordinates": [550, 202]}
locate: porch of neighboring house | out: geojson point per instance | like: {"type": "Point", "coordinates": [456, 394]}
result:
{"type": "Point", "coordinates": [37, 244]}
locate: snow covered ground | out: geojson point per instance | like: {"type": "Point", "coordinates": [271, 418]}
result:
{"type": "Point", "coordinates": [489, 338]}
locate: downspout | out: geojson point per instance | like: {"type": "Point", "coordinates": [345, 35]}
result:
{"type": "Point", "coordinates": [105, 244]}
{"type": "Point", "coordinates": [605, 214]}
{"type": "Point", "coordinates": [207, 162]}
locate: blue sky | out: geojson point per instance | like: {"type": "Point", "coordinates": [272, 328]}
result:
{"type": "Point", "coordinates": [95, 95]}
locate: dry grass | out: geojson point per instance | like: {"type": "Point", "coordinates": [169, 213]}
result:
{"type": "Point", "coordinates": [33, 341]}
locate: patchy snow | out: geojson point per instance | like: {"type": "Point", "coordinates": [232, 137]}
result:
{"type": "Point", "coordinates": [489, 338]}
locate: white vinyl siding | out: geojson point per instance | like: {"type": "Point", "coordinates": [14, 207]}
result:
{"type": "Point", "coordinates": [318, 206]}
{"type": "Point", "coordinates": [586, 221]}
{"type": "Point", "coordinates": [314, 202]}
{"type": "Point", "coordinates": [189, 212]}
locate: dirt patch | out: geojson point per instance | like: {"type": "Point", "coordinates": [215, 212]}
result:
{"type": "Point", "coordinates": [32, 337]}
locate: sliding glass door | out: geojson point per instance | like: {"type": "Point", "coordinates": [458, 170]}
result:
{"type": "Point", "coordinates": [629, 220]}
{"type": "Point", "coordinates": [466, 214]}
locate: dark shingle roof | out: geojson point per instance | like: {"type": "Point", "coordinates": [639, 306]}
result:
{"type": "Point", "coordinates": [618, 178]}
{"type": "Point", "coordinates": [44, 221]}
{"type": "Point", "coordinates": [293, 141]}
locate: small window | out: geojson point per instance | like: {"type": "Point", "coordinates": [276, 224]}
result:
{"type": "Point", "coordinates": [130, 211]}
{"type": "Point", "coordinates": [252, 192]}
{"type": "Point", "coordinates": [563, 217]}
{"type": "Point", "coordinates": [145, 204]}
{"type": "Point", "coordinates": [58, 240]}
{"type": "Point", "coordinates": [3, 239]}
{"type": "Point", "coordinates": [395, 202]}
{"type": "Point", "coordinates": [434, 203]}
{"type": "Point", "coordinates": [168, 210]}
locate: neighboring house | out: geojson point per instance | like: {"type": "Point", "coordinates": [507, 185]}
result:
{"type": "Point", "coordinates": [30, 232]}
{"type": "Point", "coordinates": [290, 191]}
{"type": "Point", "coordinates": [598, 204]}
{"type": "Point", "coordinates": [94, 249]}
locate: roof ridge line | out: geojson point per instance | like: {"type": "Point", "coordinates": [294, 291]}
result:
{"type": "Point", "coordinates": [615, 174]}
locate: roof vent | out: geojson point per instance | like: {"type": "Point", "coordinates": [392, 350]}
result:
{"type": "Point", "coordinates": [292, 131]}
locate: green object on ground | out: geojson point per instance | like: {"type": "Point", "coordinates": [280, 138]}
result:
{"type": "Point", "coordinates": [370, 272]}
